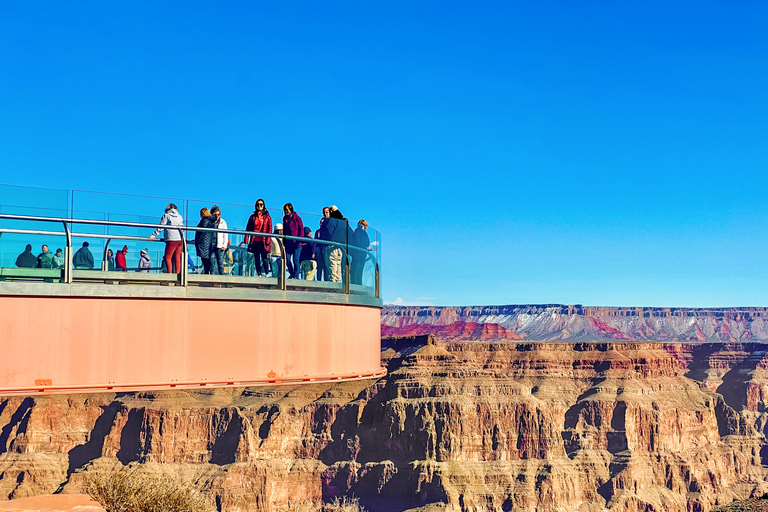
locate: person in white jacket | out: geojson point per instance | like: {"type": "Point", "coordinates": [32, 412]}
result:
{"type": "Point", "coordinates": [222, 242]}
{"type": "Point", "coordinates": [172, 238]}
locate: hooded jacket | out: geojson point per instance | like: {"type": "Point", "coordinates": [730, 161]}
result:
{"type": "Point", "coordinates": [144, 262]}
{"type": "Point", "coordinates": [120, 259]}
{"type": "Point", "coordinates": [170, 218]}
{"type": "Point", "coordinates": [26, 259]}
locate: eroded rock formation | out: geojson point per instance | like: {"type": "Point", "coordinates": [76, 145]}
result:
{"type": "Point", "coordinates": [556, 322]}
{"type": "Point", "coordinates": [622, 426]}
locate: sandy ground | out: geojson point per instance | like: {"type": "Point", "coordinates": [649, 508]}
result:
{"type": "Point", "coordinates": [52, 503]}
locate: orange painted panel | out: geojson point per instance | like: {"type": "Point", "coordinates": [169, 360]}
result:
{"type": "Point", "coordinates": [73, 342]}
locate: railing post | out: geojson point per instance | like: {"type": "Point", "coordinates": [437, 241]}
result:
{"type": "Point", "coordinates": [281, 274]}
{"type": "Point", "coordinates": [184, 270]}
{"type": "Point", "coordinates": [376, 284]}
{"type": "Point", "coordinates": [68, 256]}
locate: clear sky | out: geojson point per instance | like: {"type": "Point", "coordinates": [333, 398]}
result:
{"type": "Point", "coordinates": [602, 153]}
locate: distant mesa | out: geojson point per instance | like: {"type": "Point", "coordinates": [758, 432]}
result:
{"type": "Point", "coordinates": [558, 322]}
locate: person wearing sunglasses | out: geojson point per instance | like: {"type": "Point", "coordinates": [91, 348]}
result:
{"type": "Point", "coordinates": [260, 222]}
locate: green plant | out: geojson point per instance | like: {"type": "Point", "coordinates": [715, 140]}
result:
{"type": "Point", "coordinates": [127, 489]}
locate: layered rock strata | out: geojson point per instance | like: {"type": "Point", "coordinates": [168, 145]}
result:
{"type": "Point", "coordinates": [557, 322]}
{"type": "Point", "coordinates": [620, 426]}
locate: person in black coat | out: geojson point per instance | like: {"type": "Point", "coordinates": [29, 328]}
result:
{"type": "Point", "coordinates": [83, 259]}
{"type": "Point", "coordinates": [204, 240]}
{"type": "Point", "coordinates": [359, 256]}
{"type": "Point", "coordinates": [26, 259]}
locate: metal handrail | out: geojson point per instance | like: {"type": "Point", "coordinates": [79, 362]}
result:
{"type": "Point", "coordinates": [183, 271]}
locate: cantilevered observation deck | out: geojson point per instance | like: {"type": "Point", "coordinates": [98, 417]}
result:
{"type": "Point", "coordinates": [74, 330]}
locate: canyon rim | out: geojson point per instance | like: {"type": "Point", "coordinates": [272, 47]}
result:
{"type": "Point", "coordinates": [536, 408]}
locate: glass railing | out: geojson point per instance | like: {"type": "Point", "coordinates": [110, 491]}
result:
{"type": "Point", "coordinates": [349, 261]}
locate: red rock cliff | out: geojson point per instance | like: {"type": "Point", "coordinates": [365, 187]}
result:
{"type": "Point", "coordinates": [622, 426]}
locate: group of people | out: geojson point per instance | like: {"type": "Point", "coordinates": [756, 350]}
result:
{"type": "Point", "coordinates": [81, 260]}
{"type": "Point", "coordinates": [307, 260]}
{"type": "Point", "coordinates": [306, 256]}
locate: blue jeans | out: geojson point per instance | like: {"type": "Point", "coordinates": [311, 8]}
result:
{"type": "Point", "coordinates": [292, 259]}
{"type": "Point", "coordinates": [275, 265]}
{"type": "Point", "coordinates": [217, 261]}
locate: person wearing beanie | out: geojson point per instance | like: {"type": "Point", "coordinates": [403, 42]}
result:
{"type": "Point", "coordinates": [26, 259]}
{"type": "Point", "coordinates": [120, 263]}
{"type": "Point", "coordinates": [144, 262]}
{"type": "Point", "coordinates": [83, 259]}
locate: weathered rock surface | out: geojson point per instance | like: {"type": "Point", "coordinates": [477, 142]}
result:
{"type": "Point", "coordinates": [555, 322]}
{"type": "Point", "coordinates": [620, 426]}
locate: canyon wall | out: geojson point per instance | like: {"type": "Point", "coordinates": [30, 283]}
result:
{"type": "Point", "coordinates": [620, 426]}
{"type": "Point", "coordinates": [557, 322]}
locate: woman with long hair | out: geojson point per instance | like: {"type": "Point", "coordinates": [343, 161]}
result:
{"type": "Point", "coordinates": [292, 226]}
{"type": "Point", "coordinates": [260, 222]}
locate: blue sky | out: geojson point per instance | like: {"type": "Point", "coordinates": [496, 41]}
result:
{"type": "Point", "coordinates": [602, 153]}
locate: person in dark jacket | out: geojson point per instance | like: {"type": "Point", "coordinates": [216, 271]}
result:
{"type": "Point", "coordinates": [120, 263]}
{"type": "Point", "coordinates": [292, 226]}
{"type": "Point", "coordinates": [26, 259]}
{"type": "Point", "coordinates": [362, 241]}
{"type": "Point", "coordinates": [335, 229]}
{"type": "Point", "coordinates": [45, 258]}
{"type": "Point", "coordinates": [110, 260]}
{"type": "Point", "coordinates": [204, 240]}
{"type": "Point", "coordinates": [260, 222]}
{"type": "Point", "coordinates": [83, 259]}
{"type": "Point", "coordinates": [307, 256]}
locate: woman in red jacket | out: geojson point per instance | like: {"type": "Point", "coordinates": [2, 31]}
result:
{"type": "Point", "coordinates": [260, 222]}
{"type": "Point", "coordinates": [120, 260]}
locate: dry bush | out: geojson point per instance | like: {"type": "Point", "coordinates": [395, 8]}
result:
{"type": "Point", "coordinates": [343, 505]}
{"type": "Point", "coordinates": [126, 489]}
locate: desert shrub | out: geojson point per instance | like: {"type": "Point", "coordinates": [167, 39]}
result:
{"type": "Point", "coordinates": [343, 505]}
{"type": "Point", "coordinates": [126, 489]}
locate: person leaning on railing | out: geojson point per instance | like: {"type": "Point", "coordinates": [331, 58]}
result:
{"type": "Point", "coordinates": [172, 238]}
{"type": "Point", "coordinates": [45, 258]}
